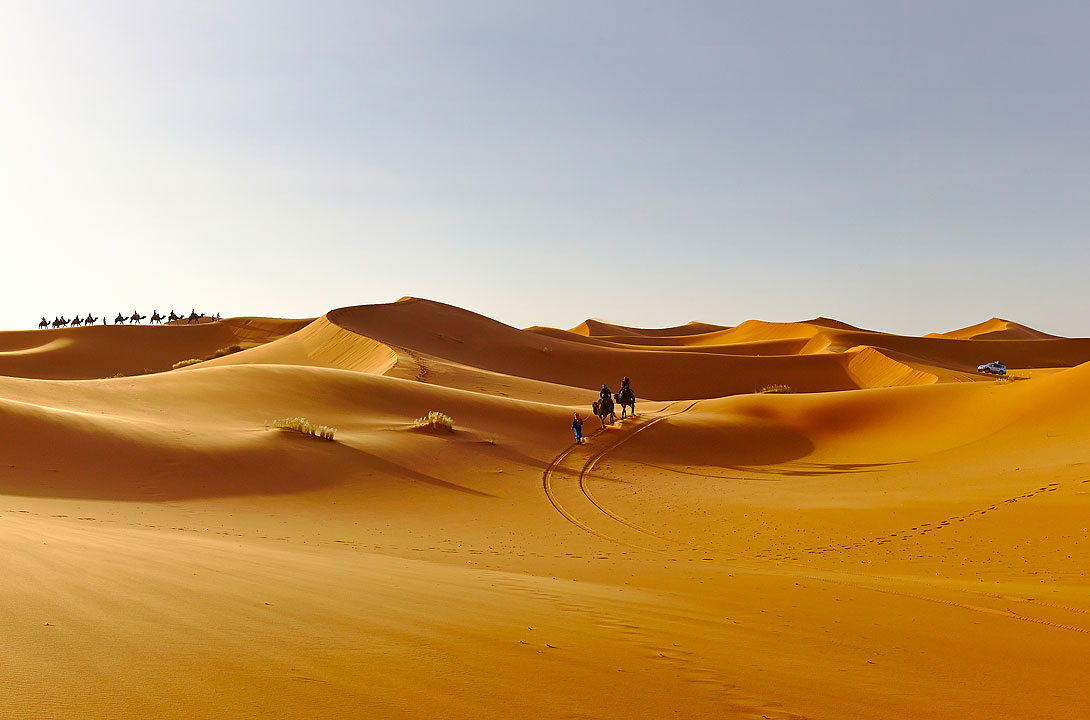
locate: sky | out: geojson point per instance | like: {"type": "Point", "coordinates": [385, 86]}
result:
{"type": "Point", "coordinates": [907, 167]}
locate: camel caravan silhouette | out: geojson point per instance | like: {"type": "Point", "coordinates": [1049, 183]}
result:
{"type": "Point", "coordinates": [122, 318]}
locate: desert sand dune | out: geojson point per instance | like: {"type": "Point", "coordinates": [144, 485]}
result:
{"type": "Point", "coordinates": [320, 344]}
{"type": "Point", "coordinates": [899, 537]}
{"type": "Point", "coordinates": [101, 351]}
{"type": "Point", "coordinates": [995, 329]}
{"type": "Point", "coordinates": [597, 328]}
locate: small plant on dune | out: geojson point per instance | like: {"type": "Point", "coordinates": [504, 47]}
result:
{"type": "Point", "coordinates": [433, 421]}
{"type": "Point", "coordinates": [224, 351]}
{"type": "Point", "coordinates": [145, 371]}
{"type": "Point", "coordinates": [229, 350]}
{"type": "Point", "coordinates": [1007, 379]}
{"type": "Point", "coordinates": [776, 388]}
{"type": "Point", "coordinates": [302, 425]}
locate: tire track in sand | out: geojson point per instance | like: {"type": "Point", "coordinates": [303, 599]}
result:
{"type": "Point", "coordinates": [550, 491]}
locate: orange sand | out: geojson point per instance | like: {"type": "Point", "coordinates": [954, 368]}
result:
{"type": "Point", "coordinates": [898, 538]}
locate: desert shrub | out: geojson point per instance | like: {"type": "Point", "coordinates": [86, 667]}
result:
{"type": "Point", "coordinates": [229, 350]}
{"type": "Point", "coordinates": [1005, 379]}
{"type": "Point", "coordinates": [145, 371]}
{"type": "Point", "coordinates": [434, 420]}
{"type": "Point", "coordinates": [776, 388]}
{"type": "Point", "coordinates": [302, 425]}
{"type": "Point", "coordinates": [224, 351]}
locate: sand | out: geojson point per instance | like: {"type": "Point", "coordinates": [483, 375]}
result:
{"type": "Point", "coordinates": [898, 537]}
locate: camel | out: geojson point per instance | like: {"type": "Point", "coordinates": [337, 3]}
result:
{"type": "Point", "coordinates": [604, 409]}
{"type": "Point", "coordinates": [120, 319]}
{"type": "Point", "coordinates": [156, 318]}
{"type": "Point", "coordinates": [90, 319]}
{"type": "Point", "coordinates": [173, 317]}
{"type": "Point", "coordinates": [136, 317]}
{"type": "Point", "coordinates": [44, 323]}
{"type": "Point", "coordinates": [194, 317]}
{"type": "Point", "coordinates": [60, 322]}
{"type": "Point", "coordinates": [76, 321]}
{"type": "Point", "coordinates": [626, 398]}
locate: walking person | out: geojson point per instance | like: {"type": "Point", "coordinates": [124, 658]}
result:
{"type": "Point", "coordinates": [577, 428]}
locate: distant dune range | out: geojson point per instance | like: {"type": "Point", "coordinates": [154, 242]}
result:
{"type": "Point", "coordinates": [895, 536]}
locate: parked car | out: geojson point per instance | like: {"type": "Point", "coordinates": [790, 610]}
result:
{"type": "Point", "coordinates": [992, 368]}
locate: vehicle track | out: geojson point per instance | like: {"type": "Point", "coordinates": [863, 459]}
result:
{"type": "Point", "coordinates": [588, 466]}
{"type": "Point", "coordinates": [594, 458]}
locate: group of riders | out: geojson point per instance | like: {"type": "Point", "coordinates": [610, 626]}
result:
{"type": "Point", "coordinates": [605, 404]}
{"type": "Point", "coordinates": [121, 319]}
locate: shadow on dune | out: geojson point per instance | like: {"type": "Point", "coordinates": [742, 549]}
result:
{"type": "Point", "coordinates": [389, 467]}
{"type": "Point", "coordinates": [279, 463]}
{"type": "Point", "coordinates": [778, 472]}
{"type": "Point", "coordinates": [809, 469]}
{"type": "Point", "coordinates": [733, 446]}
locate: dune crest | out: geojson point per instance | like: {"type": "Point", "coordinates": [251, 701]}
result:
{"type": "Point", "coordinates": [995, 329]}
{"type": "Point", "coordinates": [99, 351]}
{"type": "Point", "coordinates": [794, 524]}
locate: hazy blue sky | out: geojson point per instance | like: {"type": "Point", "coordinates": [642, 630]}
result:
{"type": "Point", "coordinates": [908, 166]}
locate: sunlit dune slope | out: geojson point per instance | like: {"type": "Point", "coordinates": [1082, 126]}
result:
{"type": "Point", "coordinates": [899, 537]}
{"type": "Point", "coordinates": [1018, 348]}
{"type": "Point", "coordinates": [697, 342]}
{"type": "Point", "coordinates": [949, 357]}
{"type": "Point", "coordinates": [995, 329]}
{"type": "Point", "coordinates": [204, 432]}
{"type": "Point", "coordinates": [421, 329]}
{"type": "Point", "coordinates": [892, 424]}
{"type": "Point", "coordinates": [105, 350]}
{"type": "Point", "coordinates": [320, 344]}
{"type": "Point", "coordinates": [325, 344]}
{"type": "Point", "coordinates": [596, 328]}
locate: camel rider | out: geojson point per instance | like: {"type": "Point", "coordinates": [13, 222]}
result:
{"type": "Point", "coordinates": [624, 384]}
{"type": "Point", "coordinates": [605, 393]}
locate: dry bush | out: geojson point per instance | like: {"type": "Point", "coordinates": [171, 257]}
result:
{"type": "Point", "coordinates": [433, 421]}
{"type": "Point", "coordinates": [776, 388]}
{"type": "Point", "coordinates": [1005, 379]}
{"type": "Point", "coordinates": [145, 371]}
{"type": "Point", "coordinates": [230, 349]}
{"type": "Point", "coordinates": [302, 425]}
